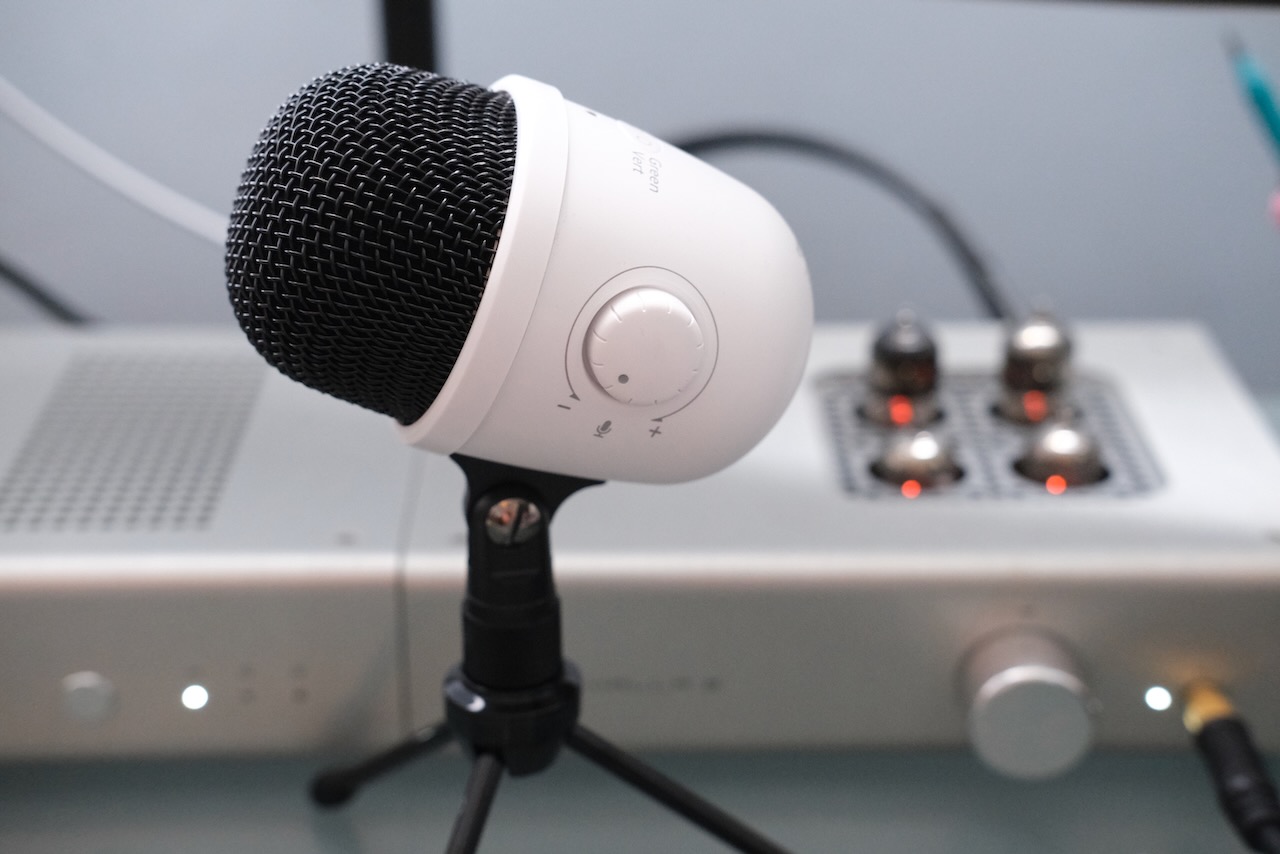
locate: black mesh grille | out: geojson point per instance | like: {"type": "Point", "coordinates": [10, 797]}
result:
{"type": "Point", "coordinates": [364, 229]}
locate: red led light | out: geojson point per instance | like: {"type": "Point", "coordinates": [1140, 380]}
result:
{"type": "Point", "coordinates": [911, 489]}
{"type": "Point", "coordinates": [1035, 405]}
{"type": "Point", "coordinates": [1056, 484]}
{"type": "Point", "coordinates": [901, 410]}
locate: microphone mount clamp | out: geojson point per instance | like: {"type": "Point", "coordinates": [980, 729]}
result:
{"type": "Point", "coordinates": [514, 700]}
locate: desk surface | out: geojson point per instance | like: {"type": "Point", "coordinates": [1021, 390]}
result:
{"type": "Point", "coordinates": [873, 802]}
{"type": "Point", "coordinates": [830, 802]}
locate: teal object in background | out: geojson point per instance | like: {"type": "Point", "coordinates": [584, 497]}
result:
{"type": "Point", "coordinates": [1253, 80]}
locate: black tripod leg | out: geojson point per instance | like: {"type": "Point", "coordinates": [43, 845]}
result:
{"type": "Point", "coordinates": [669, 793]}
{"type": "Point", "coordinates": [482, 786]}
{"type": "Point", "coordinates": [339, 785]}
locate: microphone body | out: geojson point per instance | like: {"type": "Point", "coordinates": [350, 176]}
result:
{"type": "Point", "coordinates": [644, 317]}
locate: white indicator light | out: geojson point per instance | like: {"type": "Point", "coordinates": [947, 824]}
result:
{"type": "Point", "coordinates": [195, 697]}
{"type": "Point", "coordinates": [1158, 698]}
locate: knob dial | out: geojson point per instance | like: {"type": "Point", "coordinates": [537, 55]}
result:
{"type": "Point", "coordinates": [88, 697]}
{"type": "Point", "coordinates": [644, 347]}
{"type": "Point", "coordinates": [1030, 714]}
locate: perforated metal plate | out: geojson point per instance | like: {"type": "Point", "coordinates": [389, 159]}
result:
{"type": "Point", "coordinates": [131, 442]}
{"type": "Point", "coordinates": [986, 445]}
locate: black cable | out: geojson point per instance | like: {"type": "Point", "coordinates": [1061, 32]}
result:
{"type": "Point", "coordinates": [994, 301]}
{"type": "Point", "coordinates": [52, 305]}
{"type": "Point", "coordinates": [1246, 794]}
{"type": "Point", "coordinates": [409, 33]}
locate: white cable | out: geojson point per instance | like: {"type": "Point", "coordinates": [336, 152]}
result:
{"type": "Point", "coordinates": [109, 169]}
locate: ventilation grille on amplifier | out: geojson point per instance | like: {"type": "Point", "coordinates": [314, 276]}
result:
{"type": "Point", "coordinates": [131, 442]}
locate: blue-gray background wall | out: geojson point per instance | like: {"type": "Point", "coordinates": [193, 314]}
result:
{"type": "Point", "coordinates": [1099, 152]}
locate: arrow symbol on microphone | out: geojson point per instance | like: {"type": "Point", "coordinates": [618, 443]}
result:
{"type": "Point", "coordinates": [573, 395]}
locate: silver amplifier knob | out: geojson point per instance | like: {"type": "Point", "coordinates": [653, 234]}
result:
{"type": "Point", "coordinates": [1030, 713]}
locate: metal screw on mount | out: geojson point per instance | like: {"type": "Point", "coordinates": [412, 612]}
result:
{"type": "Point", "coordinates": [513, 521]}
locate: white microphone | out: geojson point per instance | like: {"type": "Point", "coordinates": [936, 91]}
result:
{"type": "Point", "coordinates": [517, 278]}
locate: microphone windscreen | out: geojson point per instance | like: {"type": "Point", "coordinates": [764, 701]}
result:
{"type": "Point", "coordinates": [364, 230]}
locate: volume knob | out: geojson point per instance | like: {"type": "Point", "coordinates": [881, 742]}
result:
{"type": "Point", "coordinates": [1030, 713]}
{"type": "Point", "coordinates": [644, 347]}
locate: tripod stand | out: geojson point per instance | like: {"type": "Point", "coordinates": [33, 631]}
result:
{"type": "Point", "coordinates": [514, 701]}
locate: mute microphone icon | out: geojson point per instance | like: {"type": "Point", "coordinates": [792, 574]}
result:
{"type": "Point", "coordinates": [603, 429]}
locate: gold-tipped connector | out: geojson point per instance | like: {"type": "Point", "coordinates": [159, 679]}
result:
{"type": "Point", "coordinates": [1203, 703]}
